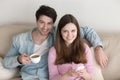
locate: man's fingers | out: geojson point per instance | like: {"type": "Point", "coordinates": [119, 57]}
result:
{"type": "Point", "coordinates": [104, 62]}
{"type": "Point", "coordinates": [25, 55]}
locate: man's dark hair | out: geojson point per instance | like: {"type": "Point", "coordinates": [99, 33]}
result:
{"type": "Point", "coordinates": [46, 10]}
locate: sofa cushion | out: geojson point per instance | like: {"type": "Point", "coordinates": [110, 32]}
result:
{"type": "Point", "coordinates": [7, 32]}
{"type": "Point", "coordinates": [111, 43]}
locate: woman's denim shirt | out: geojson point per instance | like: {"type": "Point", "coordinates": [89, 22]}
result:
{"type": "Point", "coordinates": [23, 43]}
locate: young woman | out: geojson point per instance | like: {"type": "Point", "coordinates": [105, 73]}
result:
{"type": "Point", "coordinates": [70, 58]}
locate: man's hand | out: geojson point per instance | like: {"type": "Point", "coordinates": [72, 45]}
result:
{"type": "Point", "coordinates": [24, 59]}
{"type": "Point", "coordinates": [100, 56]}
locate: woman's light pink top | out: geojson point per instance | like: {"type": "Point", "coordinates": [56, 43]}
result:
{"type": "Point", "coordinates": [55, 71]}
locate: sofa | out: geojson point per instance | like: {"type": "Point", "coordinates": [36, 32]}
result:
{"type": "Point", "coordinates": [111, 41]}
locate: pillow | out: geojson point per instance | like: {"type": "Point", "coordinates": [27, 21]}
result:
{"type": "Point", "coordinates": [6, 74]}
{"type": "Point", "coordinates": [111, 43]}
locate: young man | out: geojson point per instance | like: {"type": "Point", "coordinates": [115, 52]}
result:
{"type": "Point", "coordinates": [39, 40]}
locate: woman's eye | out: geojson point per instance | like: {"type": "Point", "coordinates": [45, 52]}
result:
{"type": "Point", "coordinates": [73, 30]}
{"type": "Point", "coordinates": [64, 31]}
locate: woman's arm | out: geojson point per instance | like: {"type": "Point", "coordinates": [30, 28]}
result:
{"type": "Point", "coordinates": [53, 70]}
{"type": "Point", "coordinates": [89, 65]}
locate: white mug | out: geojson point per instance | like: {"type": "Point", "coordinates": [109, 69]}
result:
{"type": "Point", "coordinates": [80, 68]}
{"type": "Point", "coordinates": [35, 58]}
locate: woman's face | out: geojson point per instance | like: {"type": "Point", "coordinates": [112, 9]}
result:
{"type": "Point", "coordinates": [69, 33]}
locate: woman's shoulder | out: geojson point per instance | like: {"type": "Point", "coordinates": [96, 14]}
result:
{"type": "Point", "coordinates": [52, 49]}
{"type": "Point", "coordinates": [88, 51]}
{"type": "Point", "coordinates": [86, 45]}
{"type": "Point", "coordinates": [87, 48]}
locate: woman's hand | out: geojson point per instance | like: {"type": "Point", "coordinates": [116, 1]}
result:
{"type": "Point", "coordinates": [84, 74]}
{"type": "Point", "coordinates": [69, 73]}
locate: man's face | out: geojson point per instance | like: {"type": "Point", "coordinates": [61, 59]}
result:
{"type": "Point", "coordinates": [45, 25]}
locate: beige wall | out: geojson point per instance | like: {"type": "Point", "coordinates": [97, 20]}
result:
{"type": "Point", "coordinates": [98, 14]}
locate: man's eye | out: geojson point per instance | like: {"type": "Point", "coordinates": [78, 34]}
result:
{"type": "Point", "coordinates": [50, 23]}
{"type": "Point", "coordinates": [41, 22]}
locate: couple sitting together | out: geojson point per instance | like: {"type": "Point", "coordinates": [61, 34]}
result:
{"type": "Point", "coordinates": [65, 56]}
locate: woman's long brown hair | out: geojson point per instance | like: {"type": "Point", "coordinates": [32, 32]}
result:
{"type": "Point", "coordinates": [76, 51]}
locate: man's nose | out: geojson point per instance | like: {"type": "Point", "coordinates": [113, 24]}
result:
{"type": "Point", "coordinates": [45, 26]}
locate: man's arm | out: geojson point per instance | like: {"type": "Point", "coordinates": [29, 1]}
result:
{"type": "Point", "coordinates": [92, 37]}
{"type": "Point", "coordinates": [11, 58]}
{"type": "Point", "coordinates": [100, 56]}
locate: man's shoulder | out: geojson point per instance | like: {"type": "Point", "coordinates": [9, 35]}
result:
{"type": "Point", "coordinates": [53, 29]}
{"type": "Point", "coordinates": [22, 36]}
{"type": "Point", "coordinates": [84, 27]}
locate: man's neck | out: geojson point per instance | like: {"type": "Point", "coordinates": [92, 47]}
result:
{"type": "Point", "coordinates": [38, 38]}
